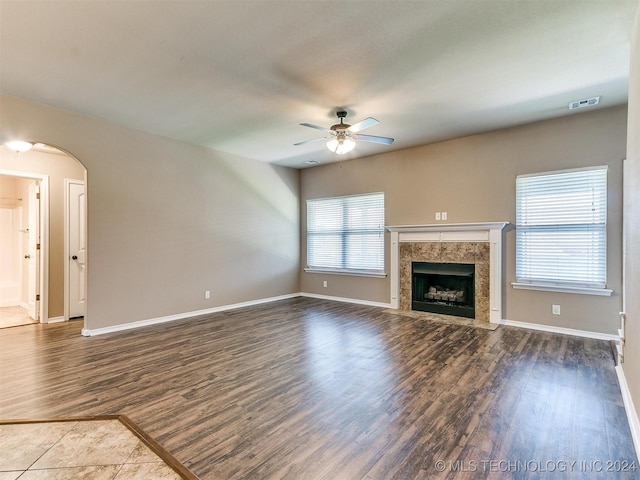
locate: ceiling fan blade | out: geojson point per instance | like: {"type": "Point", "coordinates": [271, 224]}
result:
{"type": "Point", "coordinates": [366, 123]}
{"type": "Point", "coordinates": [315, 126]}
{"type": "Point", "coordinates": [309, 141]}
{"type": "Point", "coordinates": [374, 139]}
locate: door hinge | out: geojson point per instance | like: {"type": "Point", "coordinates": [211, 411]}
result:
{"type": "Point", "coordinates": [38, 196]}
{"type": "Point", "coordinates": [37, 246]}
{"type": "Point", "coordinates": [37, 297]}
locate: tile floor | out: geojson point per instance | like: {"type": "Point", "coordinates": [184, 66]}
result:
{"type": "Point", "coordinates": [14, 316]}
{"type": "Point", "coordinates": [91, 450]}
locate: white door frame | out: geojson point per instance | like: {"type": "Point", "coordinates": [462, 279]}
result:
{"type": "Point", "coordinates": [43, 310]}
{"type": "Point", "coordinates": [67, 253]}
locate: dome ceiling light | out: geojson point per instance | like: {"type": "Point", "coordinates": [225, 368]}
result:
{"type": "Point", "coordinates": [19, 146]}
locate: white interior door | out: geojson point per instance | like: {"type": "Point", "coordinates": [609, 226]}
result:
{"type": "Point", "coordinates": [33, 255]}
{"type": "Point", "coordinates": [76, 236]}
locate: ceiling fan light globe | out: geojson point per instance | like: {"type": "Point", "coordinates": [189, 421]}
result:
{"type": "Point", "coordinates": [346, 146]}
{"type": "Point", "coordinates": [341, 146]}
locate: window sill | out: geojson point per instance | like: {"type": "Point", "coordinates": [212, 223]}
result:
{"type": "Point", "coordinates": [604, 292]}
{"type": "Point", "coordinates": [346, 271]}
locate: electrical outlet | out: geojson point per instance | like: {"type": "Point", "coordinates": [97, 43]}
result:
{"type": "Point", "coordinates": [324, 284]}
{"type": "Point", "coordinates": [207, 294]}
{"type": "Point", "coordinates": [437, 215]}
{"type": "Point", "coordinates": [444, 215]}
{"type": "Point", "coordinates": [555, 309]}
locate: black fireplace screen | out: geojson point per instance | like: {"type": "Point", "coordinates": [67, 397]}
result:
{"type": "Point", "coordinates": [446, 288]}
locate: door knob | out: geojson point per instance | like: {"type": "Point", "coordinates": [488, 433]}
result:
{"type": "Point", "coordinates": [75, 257]}
{"type": "Point", "coordinates": [27, 256]}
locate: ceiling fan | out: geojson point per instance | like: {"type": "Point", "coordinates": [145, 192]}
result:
{"type": "Point", "coordinates": [342, 136]}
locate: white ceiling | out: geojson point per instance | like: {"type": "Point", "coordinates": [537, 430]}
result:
{"type": "Point", "coordinates": [239, 76]}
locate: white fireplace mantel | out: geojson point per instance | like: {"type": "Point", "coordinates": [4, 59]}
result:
{"type": "Point", "coordinates": [490, 232]}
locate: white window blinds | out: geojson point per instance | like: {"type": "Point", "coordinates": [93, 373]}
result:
{"type": "Point", "coordinates": [346, 233]}
{"type": "Point", "coordinates": [561, 228]}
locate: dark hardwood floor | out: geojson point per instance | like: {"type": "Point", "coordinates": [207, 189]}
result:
{"type": "Point", "coordinates": [307, 389]}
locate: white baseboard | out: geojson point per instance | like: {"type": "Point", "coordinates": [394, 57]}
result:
{"type": "Point", "coordinates": [55, 319]}
{"type": "Point", "coordinates": [632, 414]}
{"type": "Point", "coordinates": [346, 300]}
{"type": "Point", "coordinates": [561, 330]}
{"type": "Point", "coordinates": [180, 316]}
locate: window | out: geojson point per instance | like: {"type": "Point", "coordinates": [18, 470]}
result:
{"type": "Point", "coordinates": [346, 234]}
{"type": "Point", "coordinates": [561, 231]}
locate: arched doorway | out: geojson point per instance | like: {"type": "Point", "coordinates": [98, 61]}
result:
{"type": "Point", "coordinates": [52, 170]}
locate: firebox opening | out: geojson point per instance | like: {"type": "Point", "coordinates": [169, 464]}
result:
{"type": "Point", "coordinates": [446, 288]}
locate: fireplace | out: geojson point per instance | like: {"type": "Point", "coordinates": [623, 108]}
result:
{"type": "Point", "coordinates": [475, 244]}
{"type": "Point", "coordinates": [447, 288]}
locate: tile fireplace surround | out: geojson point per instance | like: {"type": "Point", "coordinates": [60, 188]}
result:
{"type": "Point", "coordinates": [472, 243]}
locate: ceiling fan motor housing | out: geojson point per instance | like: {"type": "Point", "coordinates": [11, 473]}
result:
{"type": "Point", "coordinates": [340, 127]}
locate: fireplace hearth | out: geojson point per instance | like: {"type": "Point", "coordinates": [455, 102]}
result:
{"type": "Point", "coordinates": [445, 288]}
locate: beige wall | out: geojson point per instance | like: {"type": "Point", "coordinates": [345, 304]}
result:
{"type": "Point", "coordinates": [57, 167]}
{"type": "Point", "coordinates": [473, 179]}
{"type": "Point", "coordinates": [169, 220]}
{"type": "Point", "coordinates": [631, 364]}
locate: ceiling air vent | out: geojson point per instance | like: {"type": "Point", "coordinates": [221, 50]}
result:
{"type": "Point", "coordinates": [587, 102]}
